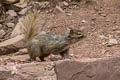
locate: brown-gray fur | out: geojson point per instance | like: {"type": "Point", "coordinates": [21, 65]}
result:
{"type": "Point", "coordinates": [42, 45]}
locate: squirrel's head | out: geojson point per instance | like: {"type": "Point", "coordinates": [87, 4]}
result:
{"type": "Point", "coordinates": [75, 34]}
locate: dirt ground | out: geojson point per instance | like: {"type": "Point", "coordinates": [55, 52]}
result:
{"type": "Point", "coordinates": [100, 22]}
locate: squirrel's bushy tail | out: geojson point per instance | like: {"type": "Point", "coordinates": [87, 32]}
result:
{"type": "Point", "coordinates": [31, 23]}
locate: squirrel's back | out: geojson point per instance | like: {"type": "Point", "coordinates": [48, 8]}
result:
{"type": "Point", "coordinates": [42, 45]}
{"type": "Point", "coordinates": [52, 43]}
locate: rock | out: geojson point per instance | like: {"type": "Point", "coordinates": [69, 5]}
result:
{"type": "Point", "coordinates": [11, 41]}
{"type": "Point", "coordinates": [104, 69]}
{"type": "Point", "coordinates": [2, 32]}
{"type": "Point", "coordinates": [11, 13]}
{"type": "Point", "coordinates": [84, 21]}
{"type": "Point", "coordinates": [27, 71]}
{"type": "Point", "coordinates": [18, 29]}
{"type": "Point", "coordinates": [50, 66]}
{"type": "Point", "coordinates": [112, 42]}
{"type": "Point", "coordinates": [65, 3]}
{"type": "Point", "coordinates": [4, 74]}
{"type": "Point", "coordinates": [10, 25]}
{"type": "Point", "coordinates": [23, 11]}
{"type": "Point", "coordinates": [115, 28]}
{"type": "Point", "coordinates": [21, 52]}
{"type": "Point", "coordinates": [104, 15]}
{"type": "Point", "coordinates": [118, 33]}
{"type": "Point", "coordinates": [55, 57]}
{"type": "Point", "coordinates": [7, 74]}
{"type": "Point", "coordinates": [101, 13]}
{"type": "Point", "coordinates": [10, 18]}
{"type": "Point", "coordinates": [22, 4]}
{"type": "Point", "coordinates": [10, 1]}
{"type": "Point", "coordinates": [11, 45]}
{"type": "Point", "coordinates": [71, 55]}
{"type": "Point", "coordinates": [59, 9]}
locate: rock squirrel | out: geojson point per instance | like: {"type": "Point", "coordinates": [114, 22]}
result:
{"type": "Point", "coordinates": [42, 45]}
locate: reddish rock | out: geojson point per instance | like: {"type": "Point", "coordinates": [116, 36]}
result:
{"type": "Point", "coordinates": [28, 71]}
{"type": "Point", "coordinates": [108, 69]}
{"type": "Point", "coordinates": [11, 45]}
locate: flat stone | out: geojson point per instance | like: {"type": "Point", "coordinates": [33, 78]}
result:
{"type": "Point", "coordinates": [27, 71]}
{"type": "Point", "coordinates": [11, 45]}
{"type": "Point", "coordinates": [104, 69]}
{"type": "Point", "coordinates": [112, 42]}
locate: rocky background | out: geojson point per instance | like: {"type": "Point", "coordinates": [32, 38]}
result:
{"type": "Point", "coordinates": [94, 58]}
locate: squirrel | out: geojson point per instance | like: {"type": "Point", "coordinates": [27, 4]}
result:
{"type": "Point", "coordinates": [42, 45]}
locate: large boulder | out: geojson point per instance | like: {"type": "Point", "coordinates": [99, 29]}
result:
{"type": "Point", "coordinates": [28, 71]}
{"type": "Point", "coordinates": [108, 69]}
{"type": "Point", "coordinates": [101, 69]}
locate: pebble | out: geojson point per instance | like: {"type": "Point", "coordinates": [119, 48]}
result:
{"type": "Point", "coordinates": [104, 15]}
{"type": "Point", "coordinates": [2, 32]}
{"type": "Point", "coordinates": [65, 3]}
{"type": "Point", "coordinates": [84, 21]}
{"type": "Point", "coordinates": [115, 28]}
{"type": "Point", "coordinates": [50, 66]}
{"type": "Point", "coordinates": [112, 42]}
{"type": "Point", "coordinates": [69, 14]}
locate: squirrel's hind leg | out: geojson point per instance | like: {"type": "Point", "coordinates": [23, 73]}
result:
{"type": "Point", "coordinates": [41, 58]}
{"type": "Point", "coordinates": [34, 51]}
{"type": "Point", "coordinates": [32, 57]}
